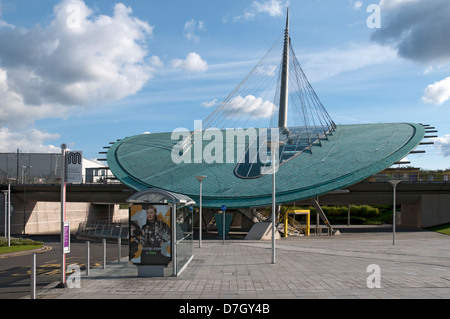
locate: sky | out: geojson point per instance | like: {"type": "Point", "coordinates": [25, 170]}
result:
{"type": "Point", "coordinates": [86, 73]}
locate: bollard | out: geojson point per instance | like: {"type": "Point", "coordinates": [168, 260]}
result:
{"type": "Point", "coordinates": [33, 276]}
{"type": "Point", "coordinates": [119, 244]}
{"type": "Point", "coordinates": [88, 258]}
{"type": "Point", "coordinates": [223, 228]}
{"type": "Point", "coordinates": [104, 253]}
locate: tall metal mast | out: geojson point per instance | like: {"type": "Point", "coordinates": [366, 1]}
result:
{"type": "Point", "coordinates": [284, 91]}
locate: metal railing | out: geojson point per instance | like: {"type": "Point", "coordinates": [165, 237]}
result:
{"type": "Point", "coordinates": [103, 230]}
{"type": "Point", "coordinates": [294, 227]}
{"type": "Point", "coordinates": [412, 177]}
{"type": "Point", "coordinates": [52, 180]}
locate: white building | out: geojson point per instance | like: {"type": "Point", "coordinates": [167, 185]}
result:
{"type": "Point", "coordinates": [45, 168]}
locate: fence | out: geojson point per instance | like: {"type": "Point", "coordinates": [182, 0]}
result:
{"type": "Point", "coordinates": [411, 176]}
{"type": "Point", "coordinates": [98, 230]}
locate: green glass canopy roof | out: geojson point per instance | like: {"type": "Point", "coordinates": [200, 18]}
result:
{"type": "Point", "coordinates": [348, 155]}
{"type": "Point", "coordinates": [316, 156]}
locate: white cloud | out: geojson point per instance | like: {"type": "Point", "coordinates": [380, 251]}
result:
{"type": "Point", "coordinates": [255, 107]}
{"type": "Point", "coordinates": [443, 144]}
{"type": "Point", "coordinates": [389, 4]}
{"type": "Point", "coordinates": [3, 23]}
{"type": "Point", "coordinates": [210, 103]}
{"type": "Point", "coordinates": [191, 28]}
{"type": "Point", "coordinates": [357, 5]}
{"type": "Point", "coordinates": [268, 70]}
{"type": "Point", "coordinates": [331, 62]}
{"type": "Point", "coordinates": [437, 93]}
{"type": "Point", "coordinates": [30, 140]}
{"type": "Point", "coordinates": [79, 60]}
{"type": "Point", "coordinates": [193, 63]}
{"type": "Point", "coordinates": [418, 29]}
{"type": "Point", "coordinates": [156, 62]}
{"type": "Point", "coordinates": [274, 8]}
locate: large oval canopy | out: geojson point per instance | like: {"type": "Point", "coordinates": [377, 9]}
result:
{"type": "Point", "coordinates": [315, 155]}
{"type": "Point", "coordinates": [349, 155]}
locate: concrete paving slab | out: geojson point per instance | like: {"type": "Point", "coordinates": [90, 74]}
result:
{"type": "Point", "coordinates": [323, 267]}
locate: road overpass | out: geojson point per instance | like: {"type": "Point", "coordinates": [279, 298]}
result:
{"type": "Point", "coordinates": [423, 204]}
{"type": "Point", "coordinates": [370, 193]}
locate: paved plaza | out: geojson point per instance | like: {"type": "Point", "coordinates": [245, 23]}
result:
{"type": "Point", "coordinates": [315, 267]}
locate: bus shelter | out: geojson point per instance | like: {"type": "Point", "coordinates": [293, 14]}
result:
{"type": "Point", "coordinates": [161, 232]}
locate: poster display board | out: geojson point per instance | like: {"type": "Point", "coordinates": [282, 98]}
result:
{"type": "Point", "coordinates": [150, 234]}
{"type": "Point", "coordinates": [66, 238]}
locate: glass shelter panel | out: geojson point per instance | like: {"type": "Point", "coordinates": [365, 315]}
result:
{"type": "Point", "coordinates": [161, 232]}
{"type": "Point", "coordinates": [185, 240]}
{"type": "Point", "coordinates": [150, 234]}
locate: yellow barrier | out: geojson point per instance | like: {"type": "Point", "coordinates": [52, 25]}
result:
{"type": "Point", "coordinates": [296, 212]}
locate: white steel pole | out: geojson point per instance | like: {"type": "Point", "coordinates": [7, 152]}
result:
{"type": "Point", "coordinates": [273, 205]}
{"type": "Point", "coordinates": [223, 226]}
{"type": "Point", "coordinates": [394, 184]}
{"type": "Point", "coordinates": [200, 218]}
{"type": "Point", "coordinates": [119, 246]}
{"type": "Point", "coordinates": [9, 214]}
{"type": "Point", "coordinates": [104, 253]}
{"type": "Point", "coordinates": [88, 257]}
{"type": "Point", "coordinates": [33, 276]}
{"type": "Point", "coordinates": [393, 218]}
{"type": "Point", "coordinates": [6, 212]}
{"type": "Point", "coordinates": [200, 179]}
{"type": "Point", "coordinates": [173, 224]}
{"type": "Point", "coordinates": [63, 212]}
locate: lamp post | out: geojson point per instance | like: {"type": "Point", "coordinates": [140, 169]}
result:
{"type": "Point", "coordinates": [6, 209]}
{"type": "Point", "coordinates": [200, 179]}
{"type": "Point", "coordinates": [24, 171]}
{"type": "Point", "coordinates": [394, 184]}
{"type": "Point", "coordinates": [9, 214]}
{"type": "Point", "coordinates": [63, 214]}
{"type": "Point", "coordinates": [274, 146]}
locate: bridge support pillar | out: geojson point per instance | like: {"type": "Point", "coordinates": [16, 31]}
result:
{"type": "Point", "coordinates": [430, 210]}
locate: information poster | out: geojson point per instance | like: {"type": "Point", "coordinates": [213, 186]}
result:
{"type": "Point", "coordinates": [66, 244]}
{"type": "Point", "coordinates": [150, 234]}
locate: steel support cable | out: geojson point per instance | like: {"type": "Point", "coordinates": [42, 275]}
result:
{"type": "Point", "coordinates": [246, 83]}
{"type": "Point", "coordinates": [262, 86]}
{"type": "Point", "coordinates": [305, 93]}
{"type": "Point", "coordinates": [229, 113]}
{"type": "Point", "coordinates": [321, 111]}
{"type": "Point", "coordinates": [256, 99]}
{"type": "Point", "coordinates": [263, 83]}
{"type": "Point", "coordinates": [261, 144]}
{"type": "Point", "coordinates": [310, 103]}
{"type": "Point", "coordinates": [276, 98]}
{"type": "Point", "coordinates": [303, 103]}
{"type": "Point", "coordinates": [210, 120]}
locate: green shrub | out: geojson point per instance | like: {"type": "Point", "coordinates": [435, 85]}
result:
{"type": "Point", "coordinates": [19, 242]}
{"type": "Point", "coordinates": [359, 214]}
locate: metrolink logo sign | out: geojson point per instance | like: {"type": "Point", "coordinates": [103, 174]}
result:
{"type": "Point", "coordinates": [74, 167]}
{"type": "Point", "coordinates": [230, 146]}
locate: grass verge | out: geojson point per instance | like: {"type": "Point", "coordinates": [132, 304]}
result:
{"type": "Point", "coordinates": [443, 229]}
{"type": "Point", "coordinates": [18, 244]}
